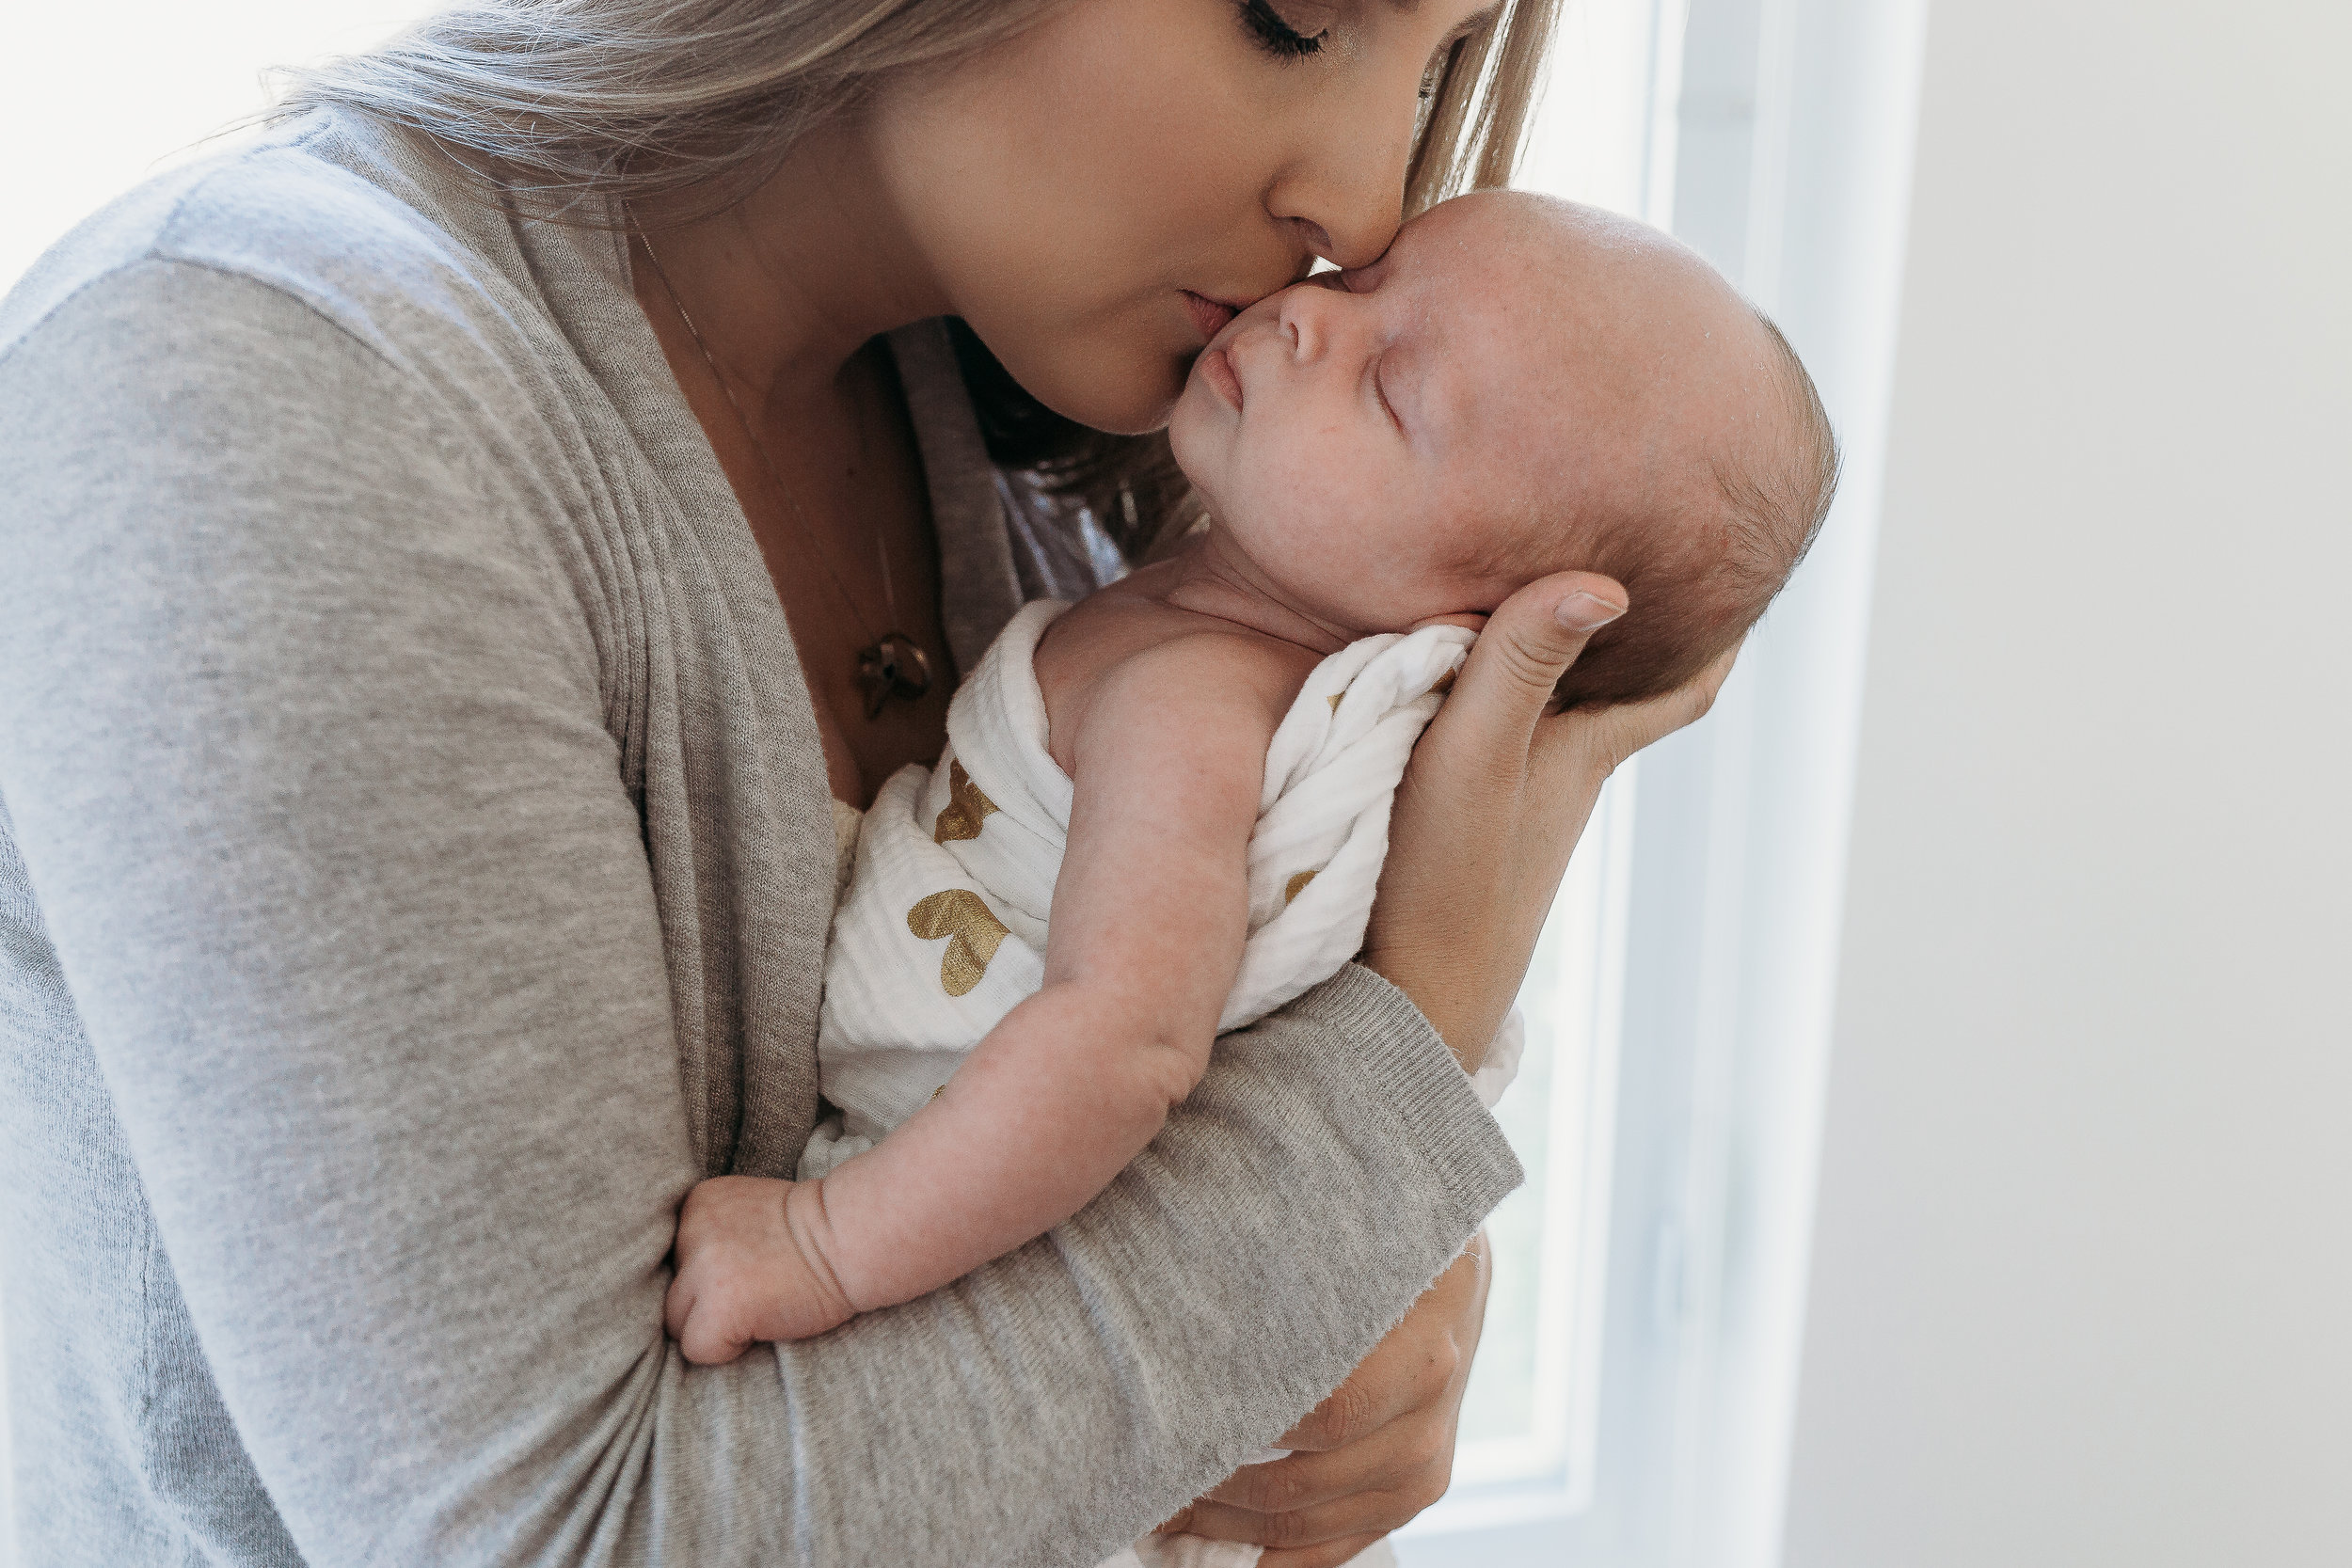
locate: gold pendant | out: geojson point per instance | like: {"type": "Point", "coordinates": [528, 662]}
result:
{"type": "Point", "coordinates": [894, 667]}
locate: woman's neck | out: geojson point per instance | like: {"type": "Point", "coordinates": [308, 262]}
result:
{"type": "Point", "coordinates": [788, 283]}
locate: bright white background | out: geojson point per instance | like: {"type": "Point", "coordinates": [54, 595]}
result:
{"type": "Point", "coordinates": [93, 98]}
{"type": "Point", "coordinates": [2083, 1284]}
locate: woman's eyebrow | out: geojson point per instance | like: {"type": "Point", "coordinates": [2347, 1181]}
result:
{"type": "Point", "coordinates": [1468, 26]}
{"type": "Point", "coordinates": [1471, 23]}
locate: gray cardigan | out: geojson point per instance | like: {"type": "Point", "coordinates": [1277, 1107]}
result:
{"type": "Point", "coordinates": [414, 869]}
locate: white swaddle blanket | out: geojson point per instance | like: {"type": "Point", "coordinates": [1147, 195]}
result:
{"type": "Point", "coordinates": [942, 931]}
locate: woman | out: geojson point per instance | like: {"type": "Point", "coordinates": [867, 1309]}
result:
{"type": "Point", "coordinates": [419, 791]}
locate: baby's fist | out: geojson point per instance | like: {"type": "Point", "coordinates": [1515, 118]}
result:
{"type": "Point", "coordinates": [749, 1267]}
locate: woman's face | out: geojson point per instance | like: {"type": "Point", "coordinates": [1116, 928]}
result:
{"type": "Point", "coordinates": [1099, 194]}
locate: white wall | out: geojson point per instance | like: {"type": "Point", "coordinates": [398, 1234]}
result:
{"type": "Point", "coordinates": [94, 98]}
{"type": "Point", "coordinates": [2082, 1290]}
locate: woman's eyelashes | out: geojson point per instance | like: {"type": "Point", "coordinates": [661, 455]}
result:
{"type": "Point", "coordinates": [1276, 36]}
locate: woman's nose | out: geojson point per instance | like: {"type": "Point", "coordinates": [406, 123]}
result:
{"type": "Point", "coordinates": [1345, 191]}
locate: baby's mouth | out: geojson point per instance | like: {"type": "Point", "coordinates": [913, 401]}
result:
{"type": "Point", "coordinates": [1215, 367]}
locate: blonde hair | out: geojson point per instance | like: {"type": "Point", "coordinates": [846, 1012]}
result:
{"type": "Point", "coordinates": [581, 108]}
{"type": "Point", "coordinates": [593, 105]}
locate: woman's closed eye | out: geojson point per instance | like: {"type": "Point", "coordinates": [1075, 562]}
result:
{"type": "Point", "coordinates": [1275, 35]}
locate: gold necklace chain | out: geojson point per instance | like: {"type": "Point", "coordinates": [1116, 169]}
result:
{"type": "Point", "coordinates": [892, 664]}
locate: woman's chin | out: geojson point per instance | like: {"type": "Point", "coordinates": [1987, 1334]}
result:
{"type": "Point", "coordinates": [1121, 411]}
{"type": "Point", "coordinates": [1123, 394]}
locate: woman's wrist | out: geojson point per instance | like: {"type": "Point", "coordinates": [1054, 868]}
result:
{"type": "Point", "coordinates": [1451, 1010]}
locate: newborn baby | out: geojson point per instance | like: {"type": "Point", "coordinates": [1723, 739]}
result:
{"type": "Point", "coordinates": [1519, 386]}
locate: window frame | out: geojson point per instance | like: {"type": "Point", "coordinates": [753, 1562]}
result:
{"type": "Point", "coordinates": [1787, 163]}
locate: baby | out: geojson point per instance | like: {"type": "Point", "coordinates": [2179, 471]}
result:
{"type": "Point", "coordinates": [1190, 771]}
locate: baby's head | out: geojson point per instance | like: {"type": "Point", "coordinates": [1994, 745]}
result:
{"type": "Point", "coordinates": [1521, 386]}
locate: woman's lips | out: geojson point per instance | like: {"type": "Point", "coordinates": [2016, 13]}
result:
{"type": "Point", "coordinates": [1215, 367]}
{"type": "Point", "coordinates": [1209, 315]}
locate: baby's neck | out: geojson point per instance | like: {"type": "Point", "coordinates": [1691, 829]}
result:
{"type": "Point", "coordinates": [1210, 575]}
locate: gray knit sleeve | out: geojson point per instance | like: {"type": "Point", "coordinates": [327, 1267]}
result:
{"type": "Point", "coordinates": [302, 748]}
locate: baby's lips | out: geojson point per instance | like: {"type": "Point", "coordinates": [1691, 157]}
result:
{"type": "Point", "coordinates": [1215, 367]}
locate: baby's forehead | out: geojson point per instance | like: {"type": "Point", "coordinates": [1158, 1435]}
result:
{"type": "Point", "coordinates": [1505, 320]}
{"type": "Point", "coordinates": [1498, 236]}
{"type": "Point", "coordinates": [1537, 258]}
{"type": "Point", "coordinates": [1514, 294]}
{"type": "Point", "coordinates": [1524, 288]}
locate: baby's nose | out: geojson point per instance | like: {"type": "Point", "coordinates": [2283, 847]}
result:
{"type": "Point", "coordinates": [1309, 317]}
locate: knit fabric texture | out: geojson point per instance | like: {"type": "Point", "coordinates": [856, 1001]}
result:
{"type": "Point", "coordinates": [415, 864]}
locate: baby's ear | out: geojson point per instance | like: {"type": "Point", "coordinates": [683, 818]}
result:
{"type": "Point", "coordinates": [1466, 619]}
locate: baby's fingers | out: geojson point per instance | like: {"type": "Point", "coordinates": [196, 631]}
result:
{"type": "Point", "coordinates": [703, 1317]}
{"type": "Point", "coordinates": [709, 1333]}
{"type": "Point", "coordinates": [677, 1306]}
{"type": "Point", "coordinates": [1528, 644]}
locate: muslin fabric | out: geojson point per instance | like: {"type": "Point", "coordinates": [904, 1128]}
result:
{"type": "Point", "coordinates": [944, 925]}
{"type": "Point", "coordinates": [943, 928]}
{"type": "Point", "coordinates": [1191, 1551]}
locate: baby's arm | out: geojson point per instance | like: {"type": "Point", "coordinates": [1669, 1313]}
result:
{"type": "Point", "coordinates": [1149, 916]}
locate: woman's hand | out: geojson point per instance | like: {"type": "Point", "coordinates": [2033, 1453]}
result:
{"type": "Point", "coordinates": [1373, 1455]}
{"type": "Point", "coordinates": [1497, 795]}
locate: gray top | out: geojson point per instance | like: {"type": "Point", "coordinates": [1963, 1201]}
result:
{"type": "Point", "coordinates": [414, 868]}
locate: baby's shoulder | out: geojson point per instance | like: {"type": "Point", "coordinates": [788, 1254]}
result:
{"type": "Point", "coordinates": [1143, 658]}
{"type": "Point", "coordinates": [1140, 639]}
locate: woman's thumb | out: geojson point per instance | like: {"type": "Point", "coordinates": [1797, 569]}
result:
{"type": "Point", "coordinates": [1528, 644]}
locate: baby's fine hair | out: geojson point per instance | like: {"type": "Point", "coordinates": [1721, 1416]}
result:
{"type": "Point", "coordinates": [1696, 590]}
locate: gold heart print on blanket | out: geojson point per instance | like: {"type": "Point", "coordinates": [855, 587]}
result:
{"type": "Point", "coordinates": [972, 934]}
{"type": "Point", "coordinates": [966, 807]}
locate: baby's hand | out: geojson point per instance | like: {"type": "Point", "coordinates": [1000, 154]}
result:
{"type": "Point", "coordinates": [750, 1267]}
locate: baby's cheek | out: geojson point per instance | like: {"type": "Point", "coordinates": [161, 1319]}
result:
{"type": "Point", "coordinates": [1193, 436]}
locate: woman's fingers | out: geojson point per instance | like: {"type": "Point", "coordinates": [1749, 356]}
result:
{"type": "Point", "coordinates": [1407, 1371]}
{"type": "Point", "coordinates": [1619, 732]}
{"type": "Point", "coordinates": [1329, 1554]}
{"type": "Point", "coordinates": [1367, 1462]}
{"type": "Point", "coordinates": [1398, 1456]}
{"type": "Point", "coordinates": [1350, 1518]}
{"type": "Point", "coordinates": [1528, 644]}
{"type": "Point", "coordinates": [1414, 1371]}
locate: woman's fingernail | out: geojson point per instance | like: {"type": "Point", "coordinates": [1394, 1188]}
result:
{"type": "Point", "coordinates": [1582, 611]}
